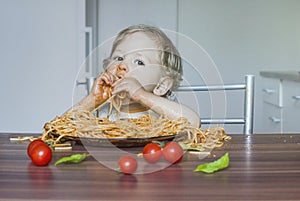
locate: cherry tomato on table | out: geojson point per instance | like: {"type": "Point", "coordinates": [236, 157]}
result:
{"type": "Point", "coordinates": [39, 153]}
{"type": "Point", "coordinates": [127, 164]}
{"type": "Point", "coordinates": [172, 152]}
{"type": "Point", "coordinates": [33, 144]}
{"type": "Point", "coordinates": [152, 152]}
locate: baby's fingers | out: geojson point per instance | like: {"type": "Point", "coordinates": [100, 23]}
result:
{"type": "Point", "coordinates": [107, 78]}
{"type": "Point", "coordinates": [129, 85]}
{"type": "Point", "coordinates": [117, 87]}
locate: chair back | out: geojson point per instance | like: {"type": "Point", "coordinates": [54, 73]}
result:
{"type": "Point", "coordinates": [247, 86]}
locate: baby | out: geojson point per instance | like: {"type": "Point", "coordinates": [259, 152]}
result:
{"type": "Point", "coordinates": [143, 67]}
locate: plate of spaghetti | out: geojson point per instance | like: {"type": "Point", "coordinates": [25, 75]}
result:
{"type": "Point", "coordinates": [84, 126]}
{"type": "Point", "coordinates": [118, 142]}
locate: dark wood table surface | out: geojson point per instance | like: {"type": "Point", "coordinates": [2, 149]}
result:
{"type": "Point", "coordinates": [262, 167]}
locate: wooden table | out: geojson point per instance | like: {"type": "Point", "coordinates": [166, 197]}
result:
{"type": "Point", "coordinates": [262, 167]}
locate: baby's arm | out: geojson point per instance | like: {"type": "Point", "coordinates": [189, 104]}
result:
{"type": "Point", "coordinates": [171, 109]}
{"type": "Point", "coordinates": [100, 92]}
{"type": "Point", "coordinates": [159, 105]}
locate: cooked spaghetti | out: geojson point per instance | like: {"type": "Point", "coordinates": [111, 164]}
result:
{"type": "Point", "coordinates": [85, 124]}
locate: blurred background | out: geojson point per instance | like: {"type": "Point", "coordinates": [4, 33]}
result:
{"type": "Point", "coordinates": [44, 44]}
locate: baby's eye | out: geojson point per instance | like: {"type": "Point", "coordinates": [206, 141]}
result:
{"type": "Point", "coordinates": [118, 58]}
{"type": "Point", "coordinates": [139, 62]}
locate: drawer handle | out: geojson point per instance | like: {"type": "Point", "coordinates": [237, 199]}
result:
{"type": "Point", "coordinates": [296, 98]}
{"type": "Point", "coordinates": [274, 119]}
{"type": "Point", "coordinates": [269, 91]}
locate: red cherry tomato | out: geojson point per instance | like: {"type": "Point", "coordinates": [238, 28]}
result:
{"type": "Point", "coordinates": [127, 164]}
{"type": "Point", "coordinates": [33, 144]}
{"type": "Point", "coordinates": [152, 152]}
{"type": "Point", "coordinates": [172, 152]}
{"type": "Point", "coordinates": [41, 155]}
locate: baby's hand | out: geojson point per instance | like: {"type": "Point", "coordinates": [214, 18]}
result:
{"type": "Point", "coordinates": [101, 89]}
{"type": "Point", "coordinates": [129, 85]}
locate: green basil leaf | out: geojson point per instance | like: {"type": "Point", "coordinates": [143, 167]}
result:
{"type": "Point", "coordinates": [214, 166]}
{"type": "Point", "coordinates": [75, 158]}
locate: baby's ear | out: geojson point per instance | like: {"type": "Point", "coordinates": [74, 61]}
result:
{"type": "Point", "coordinates": [163, 86]}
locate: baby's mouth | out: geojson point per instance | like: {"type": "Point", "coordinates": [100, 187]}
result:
{"type": "Point", "coordinates": [120, 74]}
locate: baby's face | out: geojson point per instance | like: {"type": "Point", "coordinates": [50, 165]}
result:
{"type": "Point", "coordinates": [139, 57]}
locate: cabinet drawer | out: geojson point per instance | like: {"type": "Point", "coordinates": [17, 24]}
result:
{"type": "Point", "coordinates": [272, 121]}
{"type": "Point", "coordinates": [290, 120]}
{"type": "Point", "coordinates": [291, 94]}
{"type": "Point", "coordinates": [272, 91]}
{"type": "Point", "coordinates": [291, 107]}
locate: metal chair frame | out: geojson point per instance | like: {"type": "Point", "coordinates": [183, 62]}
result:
{"type": "Point", "coordinates": [247, 119]}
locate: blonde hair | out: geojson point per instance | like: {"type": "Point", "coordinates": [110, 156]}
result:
{"type": "Point", "coordinates": [169, 56]}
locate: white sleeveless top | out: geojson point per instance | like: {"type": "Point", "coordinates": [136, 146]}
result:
{"type": "Point", "coordinates": [103, 112]}
{"type": "Point", "coordinates": [115, 115]}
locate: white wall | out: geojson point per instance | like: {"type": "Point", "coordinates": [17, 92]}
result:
{"type": "Point", "coordinates": [245, 37]}
{"type": "Point", "coordinates": [38, 61]}
{"type": "Point", "coordinates": [115, 15]}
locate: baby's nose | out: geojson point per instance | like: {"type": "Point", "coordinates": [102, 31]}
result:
{"type": "Point", "coordinates": [122, 67]}
{"type": "Point", "coordinates": [122, 70]}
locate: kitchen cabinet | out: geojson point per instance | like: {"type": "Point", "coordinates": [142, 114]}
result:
{"type": "Point", "coordinates": [281, 102]}
{"type": "Point", "coordinates": [291, 109]}
{"type": "Point", "coordinates": [272, 105]}
{"type": "Point", "coordinates": [272, 118]}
